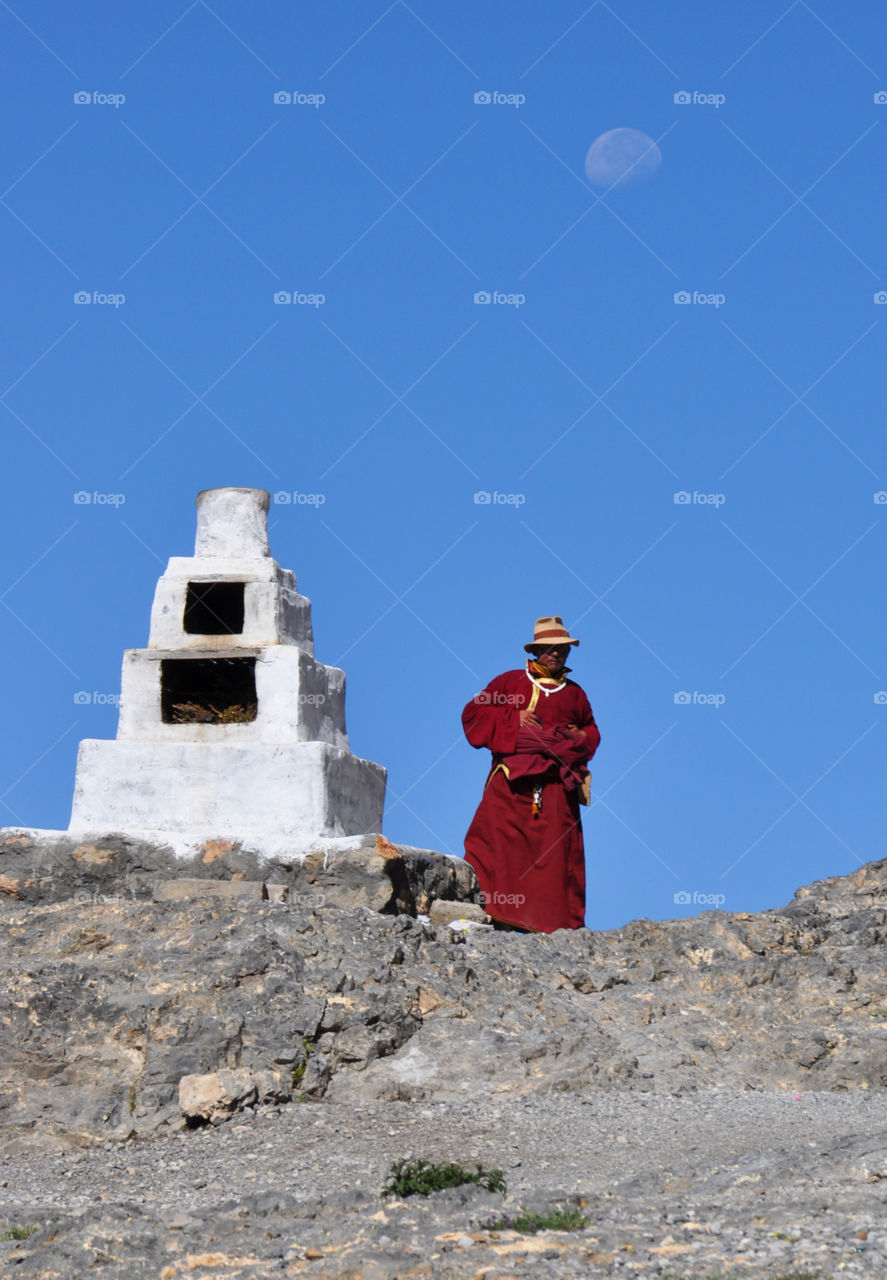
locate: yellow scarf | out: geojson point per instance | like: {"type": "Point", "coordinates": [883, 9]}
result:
{"type": "Point", "coordinates": [543, 675]}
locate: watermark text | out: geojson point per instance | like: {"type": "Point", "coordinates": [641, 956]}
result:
{"type": "Point", "coordinates": [684, 897]}
{"type": "Point", "coordinates": [684, 698]}
{"type": "Point", "coordinates": [286, 498]}
{"type": "Point", "coordinates": [686, 98]}
{"type": "Point", "coordinates": [484, 498]}
{"type": "Point", "coordinates": [493, 98]}
{"type": "Point", "coordinates": [683, 298]}
{"type": "Point", "coordinates": [683, 498]}
{"type": "Point", "coordinates": [83, 498]}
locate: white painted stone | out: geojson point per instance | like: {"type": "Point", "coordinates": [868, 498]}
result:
{"type": "Point", "coordinates": [285, 778]}
{"type": "Point", "coordinates": [226, 790]}
{"type": "Point", "coordinates": [299, 700]}
{"type": "Point", "coordinates": [267, 846]}
{"type": "Point", "coordinates": [274, 611]}
{"type": "Point", "coordinates": [232, 523]}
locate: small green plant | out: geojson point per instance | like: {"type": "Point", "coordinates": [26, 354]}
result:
{"type": "Point", "coordinates": [132, 1098]}
{"type": "Point", "coordinates": [800, 1275]}
{"type": "Point", "coordinates": [880, 1012]}
{"type": "Point", "coordinates": [419, 1178]}
{"type": "Point", "coordinates": [19, 1233]}
{"type": "Point", "coordinates": [530, 1223]}
{"type": "Point", "coordinates": [308, 1047]}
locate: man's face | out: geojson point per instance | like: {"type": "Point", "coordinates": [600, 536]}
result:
{"type": "Point", "coordinates": [553, 658]}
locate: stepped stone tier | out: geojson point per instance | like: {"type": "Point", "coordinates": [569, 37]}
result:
{"type": "Point", "coordinates": [229, 728]}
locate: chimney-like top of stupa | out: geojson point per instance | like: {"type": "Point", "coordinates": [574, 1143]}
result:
{"type": "Point", "coordinates": [232, 523]}
{"type": "Point", "coordinates": [231, 594]}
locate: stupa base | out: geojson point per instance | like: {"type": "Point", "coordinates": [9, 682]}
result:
{"type": "Point", "coordinates": [166, 791]}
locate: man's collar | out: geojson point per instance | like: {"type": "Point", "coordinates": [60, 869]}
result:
{"type": "Point", "coordinates": [542, 673]}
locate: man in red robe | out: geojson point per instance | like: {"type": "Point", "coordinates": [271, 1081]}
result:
{"type": "Point", "coordinates": [525, 841]}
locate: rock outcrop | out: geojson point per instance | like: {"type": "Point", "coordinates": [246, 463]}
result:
{"type": "Point", "coordinates": [45, 867]}
{"type": "Point", "coordinates": [114, 992]}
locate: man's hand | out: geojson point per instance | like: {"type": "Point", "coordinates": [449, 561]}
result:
{"type": "Point", "coordinates": [576, 731]}
{"type": "Point", "coordinates": [529, 719]}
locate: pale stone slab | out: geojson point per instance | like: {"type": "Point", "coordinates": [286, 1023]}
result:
{"type": "Point", "coordinates": [442, 912]}
{"type": "Point", "coordinates": [228, 790]}
{"type": "Point", "coordinates": [181, 890]}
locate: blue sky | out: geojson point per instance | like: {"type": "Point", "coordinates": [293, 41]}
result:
{"type": "Point", "coordinates": [732, 643]}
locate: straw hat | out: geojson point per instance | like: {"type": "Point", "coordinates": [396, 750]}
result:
{"type": "Point", "coordinates": [548, 632]}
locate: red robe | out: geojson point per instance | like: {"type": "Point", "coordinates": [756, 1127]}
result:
{"type": "Point", "coordinates": [529, 857]}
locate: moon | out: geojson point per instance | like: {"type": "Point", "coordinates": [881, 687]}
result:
{"type": "Point", "coordinates": [622, 157]}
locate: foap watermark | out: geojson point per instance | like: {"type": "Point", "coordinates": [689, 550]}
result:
{"type": "Point", "coordinates": [880, 97]}
{"type": "Point", "coordinates": [484, 498]}
{"type": "Point", "coordinates": [696, 699]}
{"type": "Point", "coordinates": [289, 899]}
{"type": "Point", "coordinates": [95, 699]}
{"type": "Point", "coordinates": [83, 498]}
{"type": "Point", "coordinates": [85, 897]}
{"type": "Point", "coordinates": [285, 896]}
{"type": "Point", "coordinates": [695, 898]}
{"type": "Point", "coordinates": [486, 698]}
{"type": "Point", "coordinates": [497, 899]}
{"type": "Point", "coordinates": [495, 298]}
{"type": "Point", "coordinates": [82, 298]}
{"type": "Point", "coordinates": [82, 99]}
{"type": "Point", "coordinates": [683, 498]}
{"type": "Point", "coordinates": [298, 99]}
{"type": "Point", "coordinates": [880, 698]}
{"type": "Point", "coordinates": [881, 498]}
{"type": "Point", "coordinates": [683, 298]}
{"type": "Point", "coordinates": [284, 298]}
{"type": "Point", "coordinates": [686, 98]}
{"type": "Point", "coordinates": [311, 699]}
{"type": "Point", "coordinates": [880, 298]}
{"type": "Point", "coordinates": [493, 98]}
{"type": "Point", "coordinates": [293, 498]}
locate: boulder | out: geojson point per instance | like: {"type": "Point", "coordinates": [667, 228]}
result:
{"type": "Point", "coordinates": [443, 913]}
{"type": "Point", "coordinates": [211, 1098]}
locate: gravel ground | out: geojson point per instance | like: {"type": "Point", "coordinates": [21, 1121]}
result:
{"type": "Point", "coordinates": [723, 1182]}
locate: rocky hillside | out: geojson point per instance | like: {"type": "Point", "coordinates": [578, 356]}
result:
{"type": "Point", "coordinates": [123, 974]}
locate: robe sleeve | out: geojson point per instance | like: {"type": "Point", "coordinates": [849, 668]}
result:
{"type": "Point", "coordinates": [492, 718]}
{"type": "Point", "coordinates": [558, 744]}
{"type": "Point", "coordinates": [585, 721]}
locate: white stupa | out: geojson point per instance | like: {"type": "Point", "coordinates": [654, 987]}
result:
{"type": "Point", "coordinates": [228, 726]}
